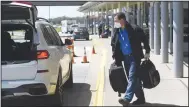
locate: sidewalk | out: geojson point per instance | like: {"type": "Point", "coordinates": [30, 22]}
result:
{"type": "Point", "coordinates": [170, 92]}
{"type": "Point", "coordinates": [170, 67]}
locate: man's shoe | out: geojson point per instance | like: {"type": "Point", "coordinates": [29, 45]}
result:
{"type": "Point", "coordinates": [124, 102]}
{"type": "Point", "coordinates": [139, 102]}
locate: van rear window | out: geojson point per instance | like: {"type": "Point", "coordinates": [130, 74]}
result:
{"type": "Point", "coordinates": [17, 43]}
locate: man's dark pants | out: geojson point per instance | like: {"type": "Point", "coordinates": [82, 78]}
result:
{"type": "Point", "coordinates": [134, 83]}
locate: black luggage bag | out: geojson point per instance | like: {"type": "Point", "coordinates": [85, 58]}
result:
{"type": "Point", "coordinates": [148, 74]}
{"type": "Point", "coordinates": [118, 78]}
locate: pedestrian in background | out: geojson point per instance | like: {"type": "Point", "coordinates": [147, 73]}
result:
{"type": "Point", "coordinates": [100, 29]}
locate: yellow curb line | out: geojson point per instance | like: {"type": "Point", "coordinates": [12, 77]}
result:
{"type": "Point", "coordinates": [98, 99]}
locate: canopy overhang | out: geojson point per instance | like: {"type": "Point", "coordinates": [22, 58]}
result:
{"type": "Point", "coordinates": [58, 3]}
{"type": "Point", "coordinates": [96, 6]}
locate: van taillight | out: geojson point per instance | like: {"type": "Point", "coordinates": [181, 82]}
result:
{"type": "Point", "coordinates": [42, 54]}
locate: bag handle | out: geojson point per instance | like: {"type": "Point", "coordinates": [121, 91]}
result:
{"type": "Point", "coordinates": [145, 59]}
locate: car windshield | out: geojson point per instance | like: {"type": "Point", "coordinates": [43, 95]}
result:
{"type": "Point", "coordinates": [82, 28]}
{"type": "Point", "coordinates": [18, 36]}
{"type": "Point", "coordinates": [74, 25]}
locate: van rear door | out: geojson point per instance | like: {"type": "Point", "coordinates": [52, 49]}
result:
{"type": "Point", "coordinates": [23, 11]}
{"type": "Point", "coordinates": [19, 12]}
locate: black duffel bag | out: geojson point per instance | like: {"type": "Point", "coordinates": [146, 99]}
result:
{"type": "Point", "coordinates": [148, 74]}
{"type": "Point", "coordinates": [118, 78]}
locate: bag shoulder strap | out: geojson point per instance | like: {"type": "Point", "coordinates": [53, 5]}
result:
{"type": "Point", "coordinates": [117, 37]}
{"type": "Point", "coordinates": [125, 71]}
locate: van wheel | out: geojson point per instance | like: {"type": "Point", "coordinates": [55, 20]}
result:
{"type": "Point", "coordinates": [58, 96]}
{"type": "Point", "coordinates": [69, 82]}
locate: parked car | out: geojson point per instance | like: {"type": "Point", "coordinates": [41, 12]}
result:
{"type": "Point", "coordinates": [81, 33]}
{"type": "Point", "coordinates": [34, 58]}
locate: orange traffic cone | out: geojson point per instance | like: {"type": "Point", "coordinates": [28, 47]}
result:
{"type": "Point", "coordinates": [85, 57]}
{"type": "Point", "coordinates": [72, 40]}
{"type": "Point", "coordinates": [69, 47]}
{"type": "Point", "coordinates": [93, 51]}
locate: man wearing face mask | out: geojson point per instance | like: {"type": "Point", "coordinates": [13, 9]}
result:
{"type": "Point", "coordinates": [126, 46]}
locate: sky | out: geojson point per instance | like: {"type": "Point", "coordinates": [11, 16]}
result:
{"type": "Point", "coordinates": [58, 11]}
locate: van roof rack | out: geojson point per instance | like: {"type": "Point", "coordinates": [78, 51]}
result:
{"type": "Point", "coordinates": [40, 18]}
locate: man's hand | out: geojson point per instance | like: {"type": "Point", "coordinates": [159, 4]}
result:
{"type": "Point", "coordinates": [147, 56]}
{"type": "Point", "coordinates": [113, 56]}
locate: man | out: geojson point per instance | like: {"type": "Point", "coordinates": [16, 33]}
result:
{"type": "Point", "coordinates": [100, 29]}
{"type": "Point", "coordinates": [126, 46]}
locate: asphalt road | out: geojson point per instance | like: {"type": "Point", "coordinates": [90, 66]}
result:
{"type": "Point", "coordinates": [80, 94]}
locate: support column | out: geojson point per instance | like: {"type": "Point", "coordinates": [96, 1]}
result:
{"type": "Point", "coordinates": [142, 14]}
{"type": "Point", "coordinates": [138, 15]}
{"type": "Point", "coordinates": [119, 7]}
{"type": "Point", "coordinates": [164, 31]}
{"type": "Point", "coordinates": [178, 39]}
{"type": "Point", "coordinates": [89, 22]}
{"type": "Point", "coordinates": [112, 31]}
{"type": "Point", "coordinates": [151, 25]}
{"type": "Point", "coordinates": [171, 27]}
{"type": "Point", "coordinates": [157, 28]}
{"type": "Point", "coordinates": [92, 19]}
{"type": "Point", "coordinates": [146, 14]}
{"type": "Point", "coordinates": [85, 18]}
{"type": "Point", "coordinates": [135, 6]}
{"type": "Point", "coordinates": [95, 22]}
{"type": "Point", "coordinates": [98, 15]}
{"type": "Point", "coordinates": [134, 15]}
{"type": "Point", "coordinates": [127, 12]}
{"type": "Point", "coordinates": [98, 20]}
{"type": "Point", "coordinates": [103, 22]}
{"type": "Point", "coordinates": [107, 21]}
